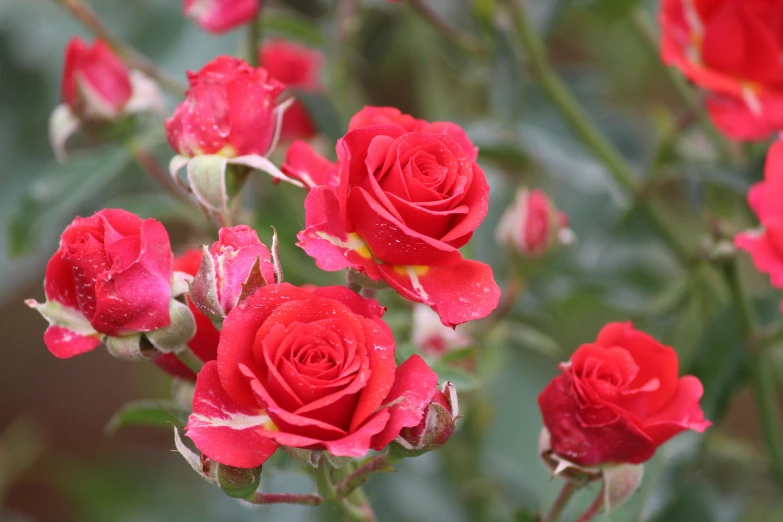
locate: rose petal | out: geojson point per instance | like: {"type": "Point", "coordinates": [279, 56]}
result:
{"type": "Point", "coordinates": [415, 384]}
{"type": "Point", "coordinates": [225, 431]}
{"type": "Point", "coordinates": [681, 413]}
{"type": "Point", "coordinates": [461, 292]}
{"type": "Point", "coordinates": [64, 343]}
{"type": "Point", "coordinates": [309, 167]}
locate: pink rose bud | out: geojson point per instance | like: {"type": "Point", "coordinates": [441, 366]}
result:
{"type": "Point", "coordinates": [218, 16]}
{"type": "Point", "coordinates": [297, 67]}
{"type": "Point", "coordinates": [532, 225]}
{"type": "Point", "coordinates": [229, 119]}
{"type": "Point", "coordinates": [431, 337]}
{"type": "Point", "coordinates": [111, 279]}
{"type": "Point", "coordinates": [435, 428]}
{"type": "Point", "coordinates": [97, 87]}
{"type": "Point", "coordinates": [229, 110]}
{"type": "Point", "coordinates": [234, 267]}
{"type": "Point", "coordinates": [96, 83]}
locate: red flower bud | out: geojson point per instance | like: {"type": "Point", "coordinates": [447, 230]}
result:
{"type": "Point", "coordinates": [532, 224]}
{"type": "Point", "coordinates": [96, 84]}
{"type": "Point", "coordinates": [217, 16]}
{"type": "Point", "coordinates": [233, 268]}
{"type": "Point", "coordinates": [111, 279]}
{"type": "Point", "coordinates": [435, 428]}
{"type": "Point", "coordinates": [230, 110]}
{"type": "Point", "coordinates": [431, 336]}
{"type": "Point", "coordinates": [298, 67]}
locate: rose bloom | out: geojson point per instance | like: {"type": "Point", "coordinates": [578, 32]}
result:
{"type": "Point", "coordinates": [113, 273]}
{"type": "Point", "coordinates": [618, 399]}
{"type": "Point", "coordinates": [204, 344]}
{"type": "Point", "coordinates": [305, 369]}
{"type": "Point", "coordinates": [96, 84]}
{"type": "Point", "coordinates": [407, 195]}
{"type": "Point", "coordinates": [731, 49]}
{"type": "Point", "coordinates": [765, 244]}
{"type": "Point", "coordinates": [229, 110]}
{"type": "Point", "coordinates": [218, 16]}
{"type": "Point", "coordinates": [298, 67]}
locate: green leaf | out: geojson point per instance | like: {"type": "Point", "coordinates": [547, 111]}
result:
{"type": "Point", "coordinates": [162, 413]}
{"type": "Point", "coordinates": [55, 198]}
{"type": "Point", "coordinates": [523, 515]}
{"type": "Point", "coordinates": [323, 112]}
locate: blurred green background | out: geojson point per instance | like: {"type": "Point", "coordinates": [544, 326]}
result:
{"type": "Point", "coordinates": [56, 462]}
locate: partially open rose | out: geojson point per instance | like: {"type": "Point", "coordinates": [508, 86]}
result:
{"type": "Point", "coordinates": [305, 369]}
{"type": "Point", "coordinates": [408, 196]}
{"type": "Point", "coordinates": [618, 399]}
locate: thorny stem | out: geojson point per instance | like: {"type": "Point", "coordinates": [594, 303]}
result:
{"type": "Point", "coordinates": [82, 12]}
{"type": "Point", "coordinates": [151, 165]}
{"type": "Point", "coordinates": [559, 94]}
{"type": "Point", "coordinates": [286, 498]}
{"type": "Point", "coordinates": [465, 42]}
{"type": "Point", "coordinates": [560, 503]}
{"type": "Point", "coordinates": [594, 508]}
{"type": "Point", "coordinates": [361, 475]}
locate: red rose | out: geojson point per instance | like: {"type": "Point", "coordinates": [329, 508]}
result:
{"type": "Point", "coordinates": [96, 84]}
{"type": "Point", "coordinates": [306, 369]}
{"type": "Point", "coordinates": [405, 204]}
{"type": "Point", "coordinates": [532, 224]}
{"type": "Point", "coordinates": [732, 49]}
{"type": "Point", "coordinates": [299, 67]}
{"type": "Point", "coordinates": [618, 399]}
{"type": "Point", "coordinates": [766, 243]}
{"type": "Point", "coordinates": [204, 344]}
{"type": "Point", "coordinates": [111, 276]}
{"type": "Point", "coordinates": [229, 110]}
{"type": "Point", "coordinates": [217, 16]}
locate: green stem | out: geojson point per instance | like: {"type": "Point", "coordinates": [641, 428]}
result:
{"type": "Point", "coordinates": [560, 502]}
{"type": "Point", "coordinates": [762, 373]}
{"type": "Point", "coordinates": [645, 30]}
{"type": "Point", "coordinates": [354, 507]}
{"type": "Point", "coordinates": [463, 41]}
{"type": "Point", "coordinates": [594, 508]}
{"type": "Point", "coordinates": [189, 359]}
{"type": "Point", "coordinates": [82, 12]}
{"type": "Point", "coordinates": [559, 94]}
{"type": "Point", "coordinates": [254, 34]}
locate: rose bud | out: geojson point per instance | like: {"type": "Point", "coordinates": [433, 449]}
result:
{"type": "Point", "coordinates": [532, 225]}
{"type": "Point", "coordinates": [299, 68]}
{"type": "Point", "coordinates": [218, 16]}
{"type": "Point", "coordinates": [97, 87]}
{"type": "Point", "coordinates": [238, 482]}
{"type": "Point", "coordinates": [205, 342]}
{"type": "Point", "coordinates": [111, 279]}
{"type": "Point", "coordinates": [618, 399]}
{"type": "Point", "coordinates": [234, 267]}
{"type": "Point", "coordinates": [312, 369]}
{"type": "Point", "coordinates": [732, 50]}
{"type": "Point", "coordinates": [230, 117]}
{"type": "Point", "coordinates": [408, 195]}
{"type": "Point", "coordinates": [435, 428]}
{"type": "Point", "coordinates": [431, 337]}
{"type": "Point", "coordinates": [765, 244]}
